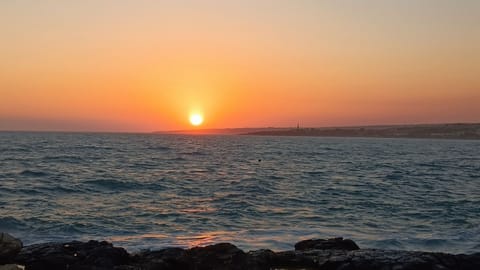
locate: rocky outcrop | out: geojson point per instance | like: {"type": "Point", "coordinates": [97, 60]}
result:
{"type": "Point", "coordinates": [227, 256]}
{"type": "Point", "coordinates": [332, 243]}
{"type": "Point", "coordinates": [216, 257]}
{"type": "Point", "coordinates": [327, 254]}
{"type": "Point", "coordinates": [72, 255]}
{"type": "Point", "coordinates": [9, 247]}
{"type": "Point", "coordinates": [371, 259]}
{"type": "Point", "coordinates": [169, 258]}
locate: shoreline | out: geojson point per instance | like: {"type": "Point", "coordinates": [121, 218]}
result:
{"type": "Point", "coordinates": [331, 254]}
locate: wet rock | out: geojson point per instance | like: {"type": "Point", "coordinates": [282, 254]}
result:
{"type": "Point", "coordinates": [73, 255]}
{"type": "Point", "coordinates": [218, 256]}
{"type": "Point", "coordinates": [9, 247]}
{"type": "Point", "coordinates": [333, 243]}
{"type": "Point", "coordinates": [468, 261]}
{"type": "Point", "coordinates": [225, 256]}
{"type": "Point", "coordinates": [372, 259]}
{"type": "Point", "coordinates": [260, 259]}
{"type": "Point", "coordinates": [294, 259]}
{"type": "Point", "coordinates": [169, 258]}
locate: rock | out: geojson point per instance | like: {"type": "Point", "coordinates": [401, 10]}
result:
{"type": "Point", "coordinates": [225, 256]}
{"type": "Point", "coordinates": [294, 259]}
{"type": "Point", "coordinates": [73, 255]}
{"type": "Point", "coordinates": [260, 259]}
{"type": "Point", "coordinates": [169, 258]}
{"type": "Point", "coordinates": [9, 247]}
{"type": "Point", "coordinates": [11, 267]}
{"type": "Point", "coordinates": [372, 259]}
{"type": "Point", "coordinates": [333, 243]}
{"type": "Point", "coordinates": [468, 261]}
{"type": "Point", "coordinates": [218, 256]}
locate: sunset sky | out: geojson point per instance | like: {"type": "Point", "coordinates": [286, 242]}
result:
{"type": "Point", "coordinates": [148, 65]}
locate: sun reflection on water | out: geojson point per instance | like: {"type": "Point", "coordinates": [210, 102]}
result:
{"type": "Point", "coordinates": [195, 240]}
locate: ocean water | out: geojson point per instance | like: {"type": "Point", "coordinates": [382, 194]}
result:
{"type": "Point", "coordinates": [152, 191]}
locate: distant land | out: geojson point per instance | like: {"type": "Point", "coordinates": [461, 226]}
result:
{"type": "Point", "coordinates": [470, 131]}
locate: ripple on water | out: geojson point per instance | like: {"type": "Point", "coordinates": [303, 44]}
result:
{"type": "Point", "coordinates": [33, 173]}
{"type": "Point", "coordinates": [11, 223]}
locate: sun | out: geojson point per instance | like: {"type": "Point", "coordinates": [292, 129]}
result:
{"type": "Point", "coordinates": [196, 119]}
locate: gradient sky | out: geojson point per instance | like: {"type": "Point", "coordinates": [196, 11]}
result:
{"type": "Point", "coordinates": [146, 65]}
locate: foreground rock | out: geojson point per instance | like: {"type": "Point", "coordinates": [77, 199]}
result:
{"type": "Point", "coordinates": [333, 243]}
{"type": "Point", "coordinates": [328, 254]}
{"type": "Point", "coordinates": [9, 247]}
{"type": "Point", "coordinates": [72, 255]}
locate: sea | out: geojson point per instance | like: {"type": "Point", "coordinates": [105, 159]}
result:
{"type": "Point", "coordinates": [151, 191]}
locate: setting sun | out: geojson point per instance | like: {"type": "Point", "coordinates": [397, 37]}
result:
{"type": "Point", "coordinates": [196, 119]}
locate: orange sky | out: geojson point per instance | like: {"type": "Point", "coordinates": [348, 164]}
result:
{"type": "Point", "coordinates": [146, 65]}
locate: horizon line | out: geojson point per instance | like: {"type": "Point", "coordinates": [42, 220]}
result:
{"type": "Point", "coordinates": [197, 130]}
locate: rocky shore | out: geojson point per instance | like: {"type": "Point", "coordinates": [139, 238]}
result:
{"type": "Point", "coordinates": [336, 253]}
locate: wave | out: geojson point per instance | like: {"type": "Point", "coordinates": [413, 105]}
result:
{"type": "Point", "coordinates": [92, 147]}
{"type": "Point", "coordinates": [59, 189]}
{"type": "Point", "coordinates": [394, 176]}
{"type": "Point", "coordinates": [16, 149]}
{"type": "Point", "coordinates": [178, 159]}
{"type": "Point", "coordinates": [194, 153]}
{"type": "Point", "coordinates": [33, 173]}
{"type": "Point", "coordinates": [145, 166]}
{"type": "Point", "coordinates": [434, 242]}
{"type": "Point", "coordinates": [388, 244]}
{"type": "Point", "coordinates": [314, 173]}
{"type": "Point", "coordinates": [110, 184]}
{"type": "Point", "coordinates": [65, 228]}
{"type": "Point", "coordinates": [10, 223]}
{"type": "Point", "coordinates": [159, 148]}
{"type": "Point", "coordinates": [113, 184]}
{"type": "Point", "coordinates": [64, 158]}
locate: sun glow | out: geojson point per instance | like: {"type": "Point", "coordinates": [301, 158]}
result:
{"type": "Point", "coordinates": [196, 119]}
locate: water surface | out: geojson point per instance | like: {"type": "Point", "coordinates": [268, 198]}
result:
{"type": "Point", "coordinates": [148, 190]}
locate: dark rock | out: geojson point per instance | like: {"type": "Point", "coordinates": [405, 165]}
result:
{"type": "Point", "coordinates": [260, 259]}
{"type": "Point", "coordinates": [73, 255]}
{"type": "Point", "coordinates": [294, 259]}
{"type": "Point", "coordinates": [224, 256]}
{"type": "Point", "coordinates": [333, 243]}
{"type": "Point", "coordinates": [469, 262]}
{"type": "Point", "coordinates": [371, 259]}
{"type": "Point", "coordinates": [221, 256]}
{"type": "Point", "coordinates": [9, 247]}
{"type": "Point", "coordinates": [169, 258]}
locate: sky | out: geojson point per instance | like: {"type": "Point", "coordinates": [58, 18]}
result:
{"type": "Point", "coordinates": [143, 66]}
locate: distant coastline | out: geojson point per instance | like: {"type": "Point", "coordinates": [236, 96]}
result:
{"type": "Point", "coordinates": [464, 131]}
{"type": "Point", "coordinates": [427, 131]}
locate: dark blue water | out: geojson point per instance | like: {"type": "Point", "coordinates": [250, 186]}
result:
{"type": "Point", "coordinates": [148, 190]}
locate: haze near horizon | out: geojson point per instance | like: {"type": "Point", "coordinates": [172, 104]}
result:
{"type": "Point", "coordinates": [148, 65]}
